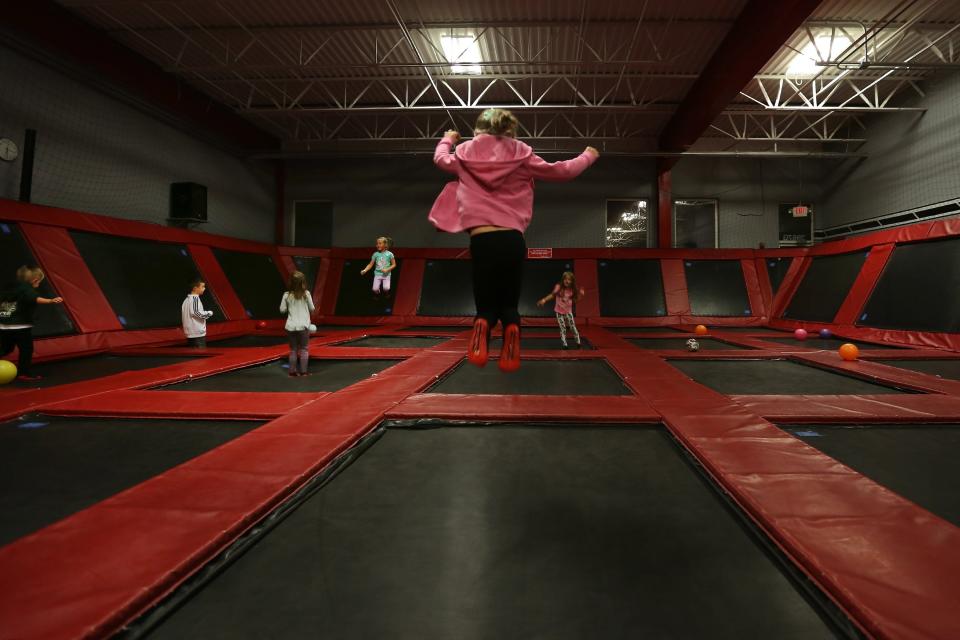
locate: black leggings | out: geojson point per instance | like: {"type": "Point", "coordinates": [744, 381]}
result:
{"type": "Point", "coordinates": [22, 339]}
{"type": "Point", "coordinates": [498, 275]}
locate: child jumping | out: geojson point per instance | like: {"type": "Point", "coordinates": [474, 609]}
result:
{"type": "Point", "coordinates": [382, 262]}
{"type": "Point", "coordinates": [565, 293]}
{"type": "Point", "coordinates": [297, 304]}
{"type": "Point", "coordinates": [16, 319]}
{"type": "Point", "coordinates": [493, 200]}
{"type": "Point", "coordinates": [193, 317]}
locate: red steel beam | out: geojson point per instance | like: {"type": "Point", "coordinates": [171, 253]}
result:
{"type": "Point", "coordinates": [759, 31]}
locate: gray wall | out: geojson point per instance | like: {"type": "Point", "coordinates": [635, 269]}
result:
{"type": "Point", "coordinates": [914, 160]}
{"type": "Point", "coordinates": [749, 192]}
{"type": "Point", "coordinates": [391, 195]}
{"type": "Point", "coordinates": [97, 154]}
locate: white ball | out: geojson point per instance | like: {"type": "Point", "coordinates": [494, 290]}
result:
{"type": "Point", "coordinates": [693, 345]}
{"type": "Point", "coordinates": [313, 328]}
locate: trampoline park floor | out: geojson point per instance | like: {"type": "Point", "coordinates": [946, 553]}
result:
{"type": "Point", "coordinates": [91, 367]}
{"type": "Point", "coordinates": [561, 501]}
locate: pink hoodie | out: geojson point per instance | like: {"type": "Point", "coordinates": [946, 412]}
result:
{"type": "Point", "coordinates": [495, 182]}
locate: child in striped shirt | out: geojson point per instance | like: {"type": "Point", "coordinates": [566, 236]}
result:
{"type": "Point", "coordinates": [193, 317]}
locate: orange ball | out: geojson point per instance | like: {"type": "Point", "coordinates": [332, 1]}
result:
{"type": "Point", "coordinates": [849, 352]}
{"type": "Point", "coordinates": [700, 330]}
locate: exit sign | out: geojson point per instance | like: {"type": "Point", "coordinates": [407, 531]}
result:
{"type": "Point", "coordinates": [539, 253]}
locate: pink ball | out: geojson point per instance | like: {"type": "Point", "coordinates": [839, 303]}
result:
{"type": "Point", "coordinates": [800, 334]}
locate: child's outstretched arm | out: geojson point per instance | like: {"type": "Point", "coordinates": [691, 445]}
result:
{"type": "Point", "coordinates": [363, 272]}
{"type": "Point", "coordinates": [56, 300]}
{"type": "Point", "coordinates": [563, 170]}
{"type": "Point", "coordinates": [545, 299]}
{"type": "Point", "coordinates": [443, 155]}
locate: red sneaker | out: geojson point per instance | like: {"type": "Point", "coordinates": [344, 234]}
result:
{"type": "Point", "coordinates": [510, 354]}
{"type": "Point", "coordinates": [477, 348]}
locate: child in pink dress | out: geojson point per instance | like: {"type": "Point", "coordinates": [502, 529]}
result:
{"type": "Point", "coordinates": [564, 294]}
{"type": "Point", "coordinates": [492, 199]}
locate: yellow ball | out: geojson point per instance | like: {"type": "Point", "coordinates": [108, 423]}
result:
{"type": "Point", "coordinates": [8, 371]}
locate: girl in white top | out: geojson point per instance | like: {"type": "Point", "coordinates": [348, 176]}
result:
{"type": "Point", "coordinates": [298, 305]}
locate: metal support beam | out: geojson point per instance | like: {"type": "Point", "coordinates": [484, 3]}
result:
{"type": "Point", "coordinates": [760, 30]}
{"type": "Point", "coordinates": [664, 206]}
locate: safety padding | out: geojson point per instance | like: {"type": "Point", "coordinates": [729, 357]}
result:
{"type": "Point", "coordinates": [408, 287]}
{"type": "Point", "coordinates": [863, 286]}
{"type": "Point", "coordinates": [171, 524]}
{"type": "Point", "coordinates": [219, 283]}
{"type": "Point", "coordinates": [675, 287]}
{"type": "Point", "coordinates": [588, 278]}
{"type": "Point", "coordinates": [220, 405]}
{"type": "Point", "coordinates": [853, 409]}
{"type": "Point", "coordinates": [519, 408]}
{"type": "Point", "coordinates": [57, 253]}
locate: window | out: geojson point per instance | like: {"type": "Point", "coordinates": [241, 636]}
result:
{"type": "Point", "coordinates": [627, 223]}
{"type": "Point", "coordinates": [463, 52]}
{"type": "Point", "coordinates": [695, 224]}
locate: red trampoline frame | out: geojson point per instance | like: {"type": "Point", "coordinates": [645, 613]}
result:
{"type": "Point", "coordinates": [891, 565]}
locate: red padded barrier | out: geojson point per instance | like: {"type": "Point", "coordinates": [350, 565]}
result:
{"type": "Point", "coordinates": [588, 279]}
{"type": "Point", "coordinates": [515, 408]}
{"type": "Point", "coordinates": [409, 286]}
{"type": "Point", "coordinates": [328, 303]}
{"type": "Point", "coordinates": [675, 287]}
{"type": "Point", "coordinates": [208, 405]}
{"type": "Point", "coordinates": [863, 286]}
{"type": "Point", "coordinates": [218, 281]}
{"type": "Point", "coordinates": [286, 264]}
{"type": "Point", "coordinates": [791, 281]}
{"type": "Point", "coordinates": [57, 253]}
{"type": "Point", "coordinates": [766, 287]}
{"type": "Point", "coordinates": [752, 282]}
{"type": "Point", "coordinates": [853, 409]}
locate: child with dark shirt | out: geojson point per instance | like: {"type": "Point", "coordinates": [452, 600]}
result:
{"type": "Point", "coordinates": [16, 318]}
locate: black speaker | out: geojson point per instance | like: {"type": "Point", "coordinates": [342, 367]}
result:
{"type": "Point", "coordinates": [188, 201]}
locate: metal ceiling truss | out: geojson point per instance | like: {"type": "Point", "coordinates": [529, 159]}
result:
{"type": "Point", "coordinates": [397, 85]}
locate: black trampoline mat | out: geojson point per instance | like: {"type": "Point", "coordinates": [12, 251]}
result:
{"type": "Point", "coordinates": [308, 266]}
{"type": "Point", "coordinates": [631, 288]}
{"type": "Point", "coordinates": [248, 341]}
{"type": "Point", "coordinates": [642, 329]}
{"type": "Point", "coordinates": [334, 328]}
{"type": "Point", "coordinates": [447, 289]}
{"type": "Point", "coordinates": [91, 367]}
{"type": "Point", "coordinates": [943, 368]}
{"type": "Point", "coordinates": [765, 331]}
{"type": "Point", "coordinates": [49, 472]}
{"type": "Point", "coordinates": [917, 289]}
{"type": "Point", "coordinates": [774, 377]}
{"type": "Point", "coordinates": [777, 270]}
{"type": "Point", "coordinates": [355, 296]}
{"type": "Point", "coordinates": [437, 327]}
{"type": "Point", "coordinates": [517, 532]}
{"type": "Point", "coordinates": [918, 461]}
{"type": "Point", "coordinates": [549, 343]}
{"type": "Point", "coordinates": [325, 375]}
{"type": "Point", "coordinates": [825, 286]}
{"type": "Point", "coordinates": [716, 288]}
{"type": "Point", "coordinates": [706, 344]}
{"type": "Point", "coordinates": [829, 343]}
{"type": "Point", "coordinates": [256, 280]}
{"type": "Point", "coordinates": [395, 342]}
{"type": "Point", "coordinates": [536, 377]}
{"type": "Point", "coordinates": [145, 281]}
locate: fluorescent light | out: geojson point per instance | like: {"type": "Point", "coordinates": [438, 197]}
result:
{"type": "Point", "coordinates": [827, 48]}
{"type": "Point", "coordinates": [463, 50]}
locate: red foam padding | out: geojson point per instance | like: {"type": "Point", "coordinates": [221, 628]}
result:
{"type": "Point", "coordinates": [56, 251]}
{"type": "Point", "coordinates": [752, 283]}
{"type": "Point", "coordinates": [141, 543]}
{"type": "Point", "coordinates": [218, 281]}
{"type": "Point", "coordinates": [219, 405]}
{"type": "Point", "coordinates": [675, 287]}
{"type": "Point", "coordinates": [853, 409]}
{"type": "Point", "coordinates": [588, 279]}
{"type": "Point", "coordinates": [408, 287]}
{"type": "Point", "coordinates": [515, 408]}
{"type": "Point", "coordinates": [863, 285]}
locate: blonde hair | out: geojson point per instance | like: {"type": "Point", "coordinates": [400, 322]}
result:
{"type": "Point", "coordinates": [27, 274]}
{"type": "Point", "coordinates": [387, 240]}
{"type": "Point", "coordinates": [498, 122]}
{"type": "Point", "coordinates": [298, 285]}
